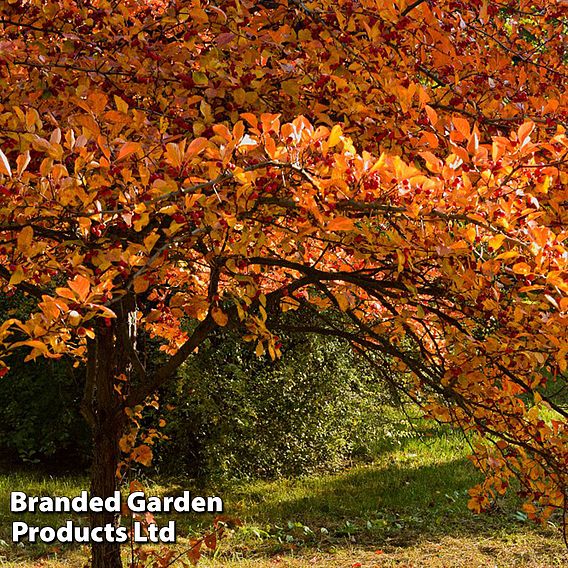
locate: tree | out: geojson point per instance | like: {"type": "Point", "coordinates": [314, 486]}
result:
{"type": "Point", "coordinates": [400, 164]}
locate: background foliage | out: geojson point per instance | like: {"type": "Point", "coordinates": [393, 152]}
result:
{"type": "Point", "coordinates": [237, 415]}
{"type": "Point", "coordinates": [39, 417]}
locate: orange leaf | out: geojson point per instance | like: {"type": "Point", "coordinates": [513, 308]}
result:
{"type": "Point", "coordinates": [81, 286]}
{"type": "Point", "coordinates": [524, 131]}
{"type": "Point", "coordinates": [341, 224]}
{"type": "Point", "coordinates": [4, 165]}
{"type": "Point", "coordinates": [461, 125]}
{"type": "Point", "coordinates": [142, 454]}
{"type": "Point", "coordinates": [127, 149]}
{"type": "Point", "coordinates": [433, 163]}
{"type": "Point", "coordinates": [220, 317]}
{"type": "Point", "coordinates": [250, 118]}
{"type": "Point", "coordinates": [141, 284]}
{"type": "Point", "coordinates": [432, 115]}
{"type": "Point", "coordinates": [25, 239]}
{"type": "Point", "coordinates": [522, 268]}
{"type": "Point", "coordinates": [195, 147]}
{"type": "Point", "coordinates": [65, 293]}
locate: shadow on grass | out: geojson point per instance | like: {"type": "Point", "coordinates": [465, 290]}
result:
{"type": "Point", "coordinates": [398, 503]}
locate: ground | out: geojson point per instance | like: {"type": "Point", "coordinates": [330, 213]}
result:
{"type": "Point", "coordinates": [409, 508]}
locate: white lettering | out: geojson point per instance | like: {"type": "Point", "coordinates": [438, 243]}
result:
{"type": "Point", "coordinates": [46, 505]}
{"type": "Point", "coordinates": [183, 504]}
{"type": "Point", "coordinates": [154, 505]}
{"type": "Point", "coordinates": [198, 504]}
{"type": "Point", "coordinates": [138, 536]}
{"type": "Point", "coordinates": [121, 534]}
{"type": "Point", "coordinates": [47, 534]}
{"type": "Point", "coordinates": [18, 502]}
{"type": "Point", "coordinates": [96, 505]}
{"type": "Point", "coordinates": [96, 534]}
{"type": "Point", "coordinates": [19, 529]}
{"type": "Point", "coordinates": [214, 505]}
{"type": "Point", "coordinates": [136, 502]}
{"type": "Point", "coordinates": [168, 534]}
{"type": "Point", "coordinates": [112, 504]}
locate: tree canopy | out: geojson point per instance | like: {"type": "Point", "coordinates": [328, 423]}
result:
{"type": "Point", "coordinates": [395, 170]}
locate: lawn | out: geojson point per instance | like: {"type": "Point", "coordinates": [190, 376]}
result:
{"type": "Point", "coordinates": [409, 508]}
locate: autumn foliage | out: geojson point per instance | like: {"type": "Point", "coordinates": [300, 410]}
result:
{"type": "Point", "coordinates": [395, 170]}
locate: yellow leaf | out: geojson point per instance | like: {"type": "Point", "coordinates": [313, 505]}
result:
{"type": "Point", "coordinates": [220, 317]}
{"type": "Point", "coordinates": [496, 242]}
{"type": "Point", "coordinates": [121, 105]}
{"type": "Point", "coordinates": [379, 164]}
{"type": "Point", "coordinates": [106, 312]}
{"type": "Point", "coordinates": [401, 260]}
{"type": "Point", "coordinates": [342, 301]}
{"type": "Point", "coordinates": [17, 276]}
{"type": "Point", "coordinates": [22, 161]}
{"type": "Point", "coordinates": [32, 343]}
{"type": "Point", "coordinates": [341, 224]}
{"type": "Point", "coordinates": [507, 255]}
{"type": "Point", "coordinates": [4, 165]}
{"type": "Point", "coordinates": [25, 239]}
{"type": "Point", "coordinates": [139, 224]}
{"type": "Point", "coordinates": [544, 186]}
{"type": "Point", "coordinates": [334, 136]}
{"type": "Point", "coordinates": [151, 240]}
{"type": "Point", "coordinates": [259, 349]}
{"type": "Point", "coordinates": [174, 155]}
{"type": "Point", "coordinates": [471, 234]}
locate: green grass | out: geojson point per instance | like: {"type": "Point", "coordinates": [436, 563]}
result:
{"type": "Point", "coordinates": [410, 506]}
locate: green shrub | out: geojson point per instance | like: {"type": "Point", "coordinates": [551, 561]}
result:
{"type": "Point", "coordinates": [240, 416]}
{"type": "Point", "coordinates": [38, 411]}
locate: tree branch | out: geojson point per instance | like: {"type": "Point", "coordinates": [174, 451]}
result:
{"type": "Point", "coordinates": [201, 332]}
{"type": "Point", "coordinates": [411, 7]}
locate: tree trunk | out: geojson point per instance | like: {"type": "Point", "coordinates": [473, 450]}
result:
{"type": "Point", "coordinates": [106, 456]}
{"type": "Point", "coordinates": [103, 410]}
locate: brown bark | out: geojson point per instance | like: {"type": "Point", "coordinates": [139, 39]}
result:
{"type": "Point", "coordinates": [103, 484]}
{"type": "Point", "coordinates": [107, 423]}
